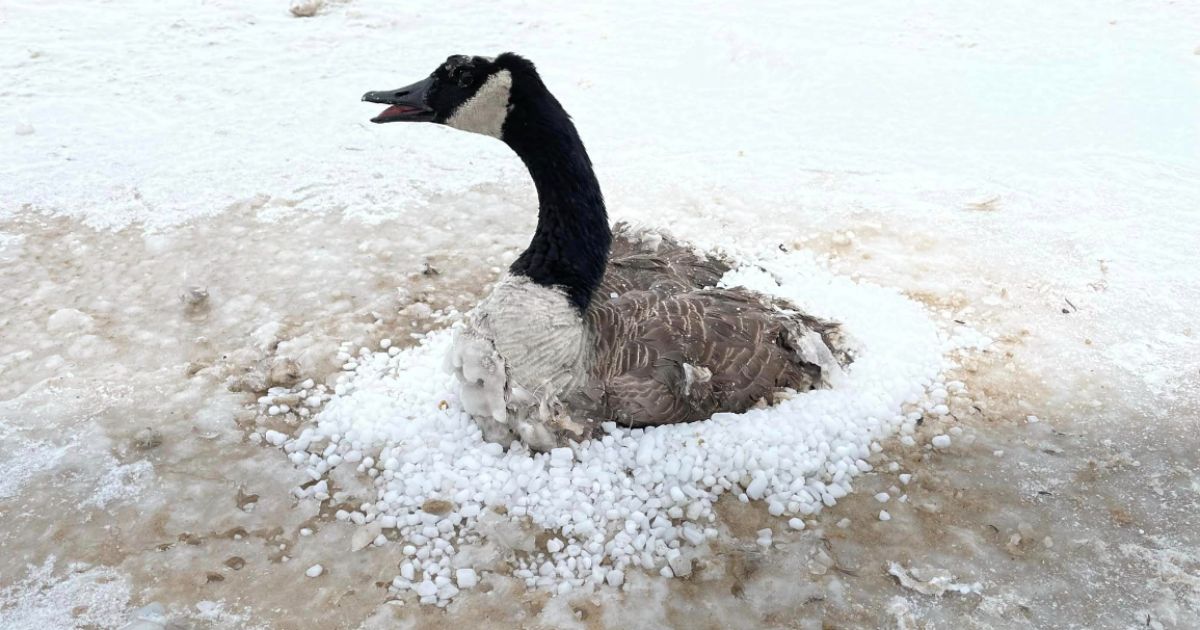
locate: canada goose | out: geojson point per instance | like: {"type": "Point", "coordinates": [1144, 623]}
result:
{"type": "Point", "coordinates": [585, 329]}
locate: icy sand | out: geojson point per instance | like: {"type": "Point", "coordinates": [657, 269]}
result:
{"type": "Point", "coordinates": [224, 297]}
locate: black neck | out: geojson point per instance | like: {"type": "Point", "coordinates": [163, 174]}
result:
{"type": "Point", "coordinates": [570, 247]}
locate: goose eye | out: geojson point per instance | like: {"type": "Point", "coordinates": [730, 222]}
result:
{"type": "Point", "coordinates": [464, 78]}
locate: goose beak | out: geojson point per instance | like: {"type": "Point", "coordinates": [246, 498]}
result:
{"type": "Point", "coordinates": [407, 104]}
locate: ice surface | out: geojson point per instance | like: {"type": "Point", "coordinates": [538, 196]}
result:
{"type": "Point", "coordinates": [193, 210]}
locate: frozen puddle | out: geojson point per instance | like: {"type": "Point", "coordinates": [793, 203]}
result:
{"type": "Point", "coordinates": [392, 450]}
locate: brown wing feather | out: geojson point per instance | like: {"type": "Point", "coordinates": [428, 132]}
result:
{"type": "Point", "coordinates": [666, 358]}
{"type": "Point", "coordinates": [670, 348]}
{"type": "Point", "coordinates": [643, 261]}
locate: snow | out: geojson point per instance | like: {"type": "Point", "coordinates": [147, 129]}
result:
{"type": "Point", "coordinates": [35, 458]}
{"type": "Point", "coordinates": [997, 203]}
{"type": "Point", "coordinates": [52, 597]}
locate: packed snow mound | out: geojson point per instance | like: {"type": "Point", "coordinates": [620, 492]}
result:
{"type": "Point", "coordinates": [631, 498]}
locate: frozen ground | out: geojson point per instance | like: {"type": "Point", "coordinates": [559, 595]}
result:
{"type": "Point", "coordinates": [1028, 172]}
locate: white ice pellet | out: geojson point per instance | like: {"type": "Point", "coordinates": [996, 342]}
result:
{"type": "Point", "coordinates": [941, 441]}
{"type": "Point", "coordinates": [884, 516]}
{"type": "Point", "coordinates": [314, 571]}
{"type": "Point", "coordinates": [645, 452]}
{"type": "Point", "coordinates": [466, 578]}
{"type": "Point", "coordinates": [615, 577]}
{"type": "Point", "coordinates": [882, 497]}
{"type": "Point", "coordinates": [796, 523]}
{"type": "Point", "coordinates": [757, 486]}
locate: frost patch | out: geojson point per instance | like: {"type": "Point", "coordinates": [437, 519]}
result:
{"type": "Point", "coordinates": [84, 597]}
{"type": "Point", "coordinates": [216, 612]}
{"type": "Point", "coordinates": [26, 460]}
{"type": "Point", "coordinates": [1171, 566]}
{"type": "Point", "coordinates": [120, 482]}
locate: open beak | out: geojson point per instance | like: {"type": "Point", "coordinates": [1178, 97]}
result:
{"type": "Point", "coordinates": [407, 104]}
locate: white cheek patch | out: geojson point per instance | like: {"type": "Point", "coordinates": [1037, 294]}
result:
{"type": "Point", "coordinates": [485, 112]}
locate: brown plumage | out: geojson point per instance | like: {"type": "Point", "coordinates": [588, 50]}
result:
{"type": "Point", "coordinates": [672, 348]}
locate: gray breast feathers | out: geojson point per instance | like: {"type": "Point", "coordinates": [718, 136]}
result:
{"type": "Point", "coordinates": [669, 348]}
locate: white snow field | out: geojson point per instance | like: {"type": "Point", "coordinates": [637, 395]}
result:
{"type": "Point", "coordinates": [225, 297]}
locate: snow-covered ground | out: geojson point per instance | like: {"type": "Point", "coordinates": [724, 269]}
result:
{"type": "Point", "coordinates": [1001, 201]}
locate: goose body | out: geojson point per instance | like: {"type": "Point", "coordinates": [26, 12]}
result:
{"type": "Point", "coordinates": [589, 326]}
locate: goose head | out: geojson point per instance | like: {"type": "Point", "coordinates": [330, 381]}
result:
{"type": "Point", "coordinates": [470, 93]}
{"type": "Point", "coordinates": [506, 99]}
